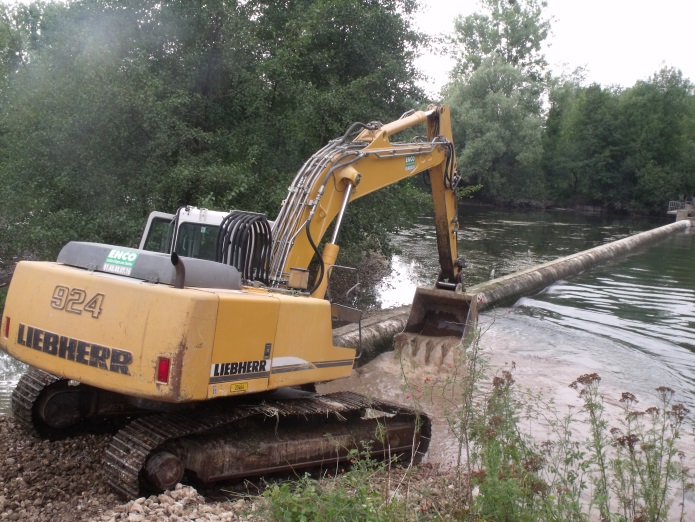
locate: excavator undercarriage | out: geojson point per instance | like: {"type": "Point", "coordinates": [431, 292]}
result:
{"type": "Point", "coordinates": [285, 430]}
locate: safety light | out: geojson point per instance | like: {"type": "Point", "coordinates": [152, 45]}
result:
{"type": "Point", "coordinates": [6, 331]}
{"type": "Point", "coordinates": [163, 366]}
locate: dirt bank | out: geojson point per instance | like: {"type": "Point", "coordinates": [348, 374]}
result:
{"type": "Point", "coordinates": [61, 482]}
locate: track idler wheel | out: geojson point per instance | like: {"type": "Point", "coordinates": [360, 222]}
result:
{"type": "Point", "coordinates": [163, 471]}
{"type": "Point", "coordinates": [61, 405]}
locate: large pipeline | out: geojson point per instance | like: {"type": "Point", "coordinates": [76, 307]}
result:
{"type": "Point", "coordinates": [526, 282]}
{"type": "Point", "coordinates": [383, 326]}
{"type": "Point", "coordinates": [376, 335]}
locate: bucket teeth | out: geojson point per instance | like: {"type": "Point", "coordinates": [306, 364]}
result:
{"type": "Point", "coordinates": [423, 350]}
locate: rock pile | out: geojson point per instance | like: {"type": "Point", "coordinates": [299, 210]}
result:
{"type": "Point", "coordinates": [184, 503]}
{"type": "Point", "coordinates": [62, 481]}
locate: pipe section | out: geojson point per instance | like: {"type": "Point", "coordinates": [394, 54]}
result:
{"type": "Point", "coordinates": [535, 279]}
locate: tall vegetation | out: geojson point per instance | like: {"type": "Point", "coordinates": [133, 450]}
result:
{"type": "Point", "coordinates": [113, 109]}
{"type": "Point", "coordinates": [629, 149]}
{"type": "Point", "coordinates": [529, 137]}
{"type": "Point", "coordinates": [495, 90]}
{"type": "Point", "coordinates": [519, 456]}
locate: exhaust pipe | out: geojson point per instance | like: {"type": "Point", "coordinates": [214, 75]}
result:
{"type": "Point", "coordinates": [180, 278]}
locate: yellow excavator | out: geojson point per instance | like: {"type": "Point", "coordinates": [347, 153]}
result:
{"type": "Point", "coordinates": [199, 345]}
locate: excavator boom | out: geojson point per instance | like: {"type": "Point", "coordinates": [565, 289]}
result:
{"type": "Point", "coordinates": [348, 169]}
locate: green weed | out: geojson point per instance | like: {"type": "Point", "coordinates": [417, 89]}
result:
{"type": "Point", "coordinates": [352, 494]}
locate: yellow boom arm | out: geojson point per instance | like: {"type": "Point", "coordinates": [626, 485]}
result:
{"type": "Point", "coordinates": [346, 170]}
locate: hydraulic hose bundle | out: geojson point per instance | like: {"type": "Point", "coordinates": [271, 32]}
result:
{"type": "Point", "coordinates": [289, 222]}
{"type": "Point", "coordinates": [244, 241]}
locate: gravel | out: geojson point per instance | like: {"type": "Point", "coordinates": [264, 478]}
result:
{"type": "Point", "coordinates": [62, 481]}
{"type": "Point", "coordinates": [58, 481]}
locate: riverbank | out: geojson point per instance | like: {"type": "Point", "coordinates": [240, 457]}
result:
{"type": "Point", "coordinates": [61, 481]}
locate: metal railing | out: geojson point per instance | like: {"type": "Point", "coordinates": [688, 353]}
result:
{"type": "Point", "coordinates": [675, 205]}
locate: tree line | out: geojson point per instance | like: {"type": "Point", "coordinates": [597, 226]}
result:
{"type": "Point", "coordinates": [112, 109]}
{"type": "Point", "coordinates": [526, 136]}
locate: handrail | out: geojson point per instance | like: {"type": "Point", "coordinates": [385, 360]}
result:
{"type": "Point", "coordinates": [676, 205]}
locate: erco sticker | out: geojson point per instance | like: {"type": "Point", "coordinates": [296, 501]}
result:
{"type": "Point", "coordinates": [409, 163]}
{"type": "Point", "coordinates": [120, 261]}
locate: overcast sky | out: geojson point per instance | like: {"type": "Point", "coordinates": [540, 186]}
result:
{"type": "Point", "coordinates": [617, 41]}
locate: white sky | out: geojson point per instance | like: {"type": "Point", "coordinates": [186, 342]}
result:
{"type": "Point", "coordinates": [617, 41]}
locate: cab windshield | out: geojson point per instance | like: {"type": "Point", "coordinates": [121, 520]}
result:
{"type": "Point", "coordinates": [197, 240]}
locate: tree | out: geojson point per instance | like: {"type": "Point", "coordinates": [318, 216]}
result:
{"type": "Point", "coordinates": [495, 92]}
{"type": "Point", "coordinates": [625, 149]}
{"type": "Point", "coordinates": [557, 165]}
{"type": "Point", "coordinates": [593, 148]}
{"type": "Point", "coordinates": [657, 124]}
{"type": "Point", "coordinates": [501, 132]}
{"type": "Point", "coordinates": [511, 30]}
{"type": "Point", "coordinates": [114, 109]}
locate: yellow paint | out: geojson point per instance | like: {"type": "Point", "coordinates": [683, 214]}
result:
{"type": "Point", "coordinates": [199, 330]}
{"type": "Point", "coordinates": [304, 332]}
{"type": "Point", "coordinates": [329, 256]}
{"type": "Point", "coordinates": [145, 320]}
{"type": "Point", "coordinates": [382, 163]}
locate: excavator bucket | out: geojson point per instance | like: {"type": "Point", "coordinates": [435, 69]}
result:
{"type": "Point", "coordinates": [439, 321]}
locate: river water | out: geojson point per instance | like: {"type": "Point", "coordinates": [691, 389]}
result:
{"type": "Point", "coordinates": [632, 320]}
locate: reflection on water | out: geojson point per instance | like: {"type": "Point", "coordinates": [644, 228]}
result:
{"type": "Point", "coordinates": [631, 320]}
{"type": "Point", "coordinates": [496, 243]}
{"type": "Point", "coordinates": [636, 315]}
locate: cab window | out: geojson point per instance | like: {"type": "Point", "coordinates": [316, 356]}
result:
{"type": "Point", "coordinates": [197, 240]}
{"type": "Point", "coordinates": [158, 235]}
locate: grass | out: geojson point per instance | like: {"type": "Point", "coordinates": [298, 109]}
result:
{"type": "Point", "coordinates": [349, 495]}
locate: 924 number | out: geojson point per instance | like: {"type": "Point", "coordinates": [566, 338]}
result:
{"type": "Point", "coordinates": [74, 301]}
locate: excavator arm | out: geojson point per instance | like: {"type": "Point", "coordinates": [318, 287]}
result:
{"type": "Point", "coordinates": [349, 168]}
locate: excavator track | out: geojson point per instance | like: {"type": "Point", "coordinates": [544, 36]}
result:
{"type": "Point", "coordinates": [128, 453]}
{"type": "Point", "coordinates": [28, 389]}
